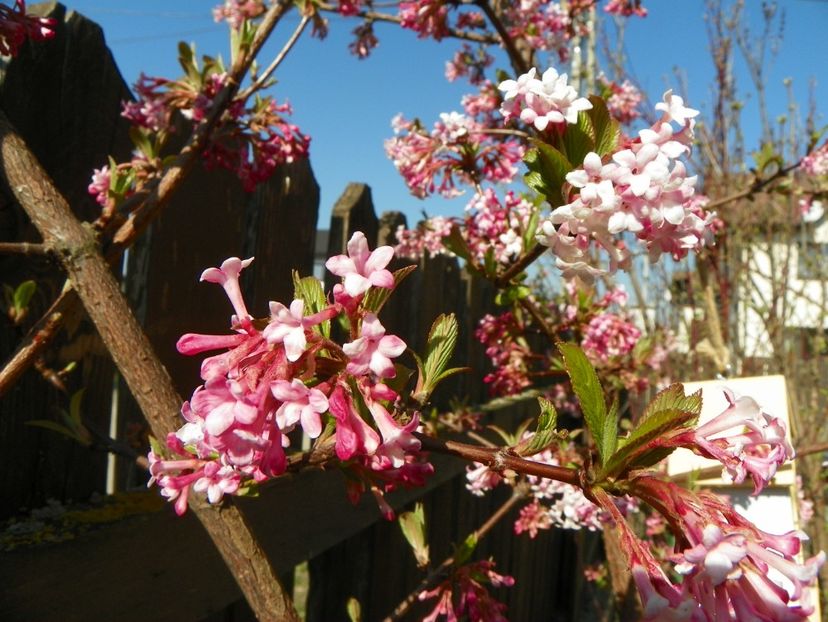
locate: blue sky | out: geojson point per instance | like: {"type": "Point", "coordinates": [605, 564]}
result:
{"type": "Point", "coordinates": [346, 105]}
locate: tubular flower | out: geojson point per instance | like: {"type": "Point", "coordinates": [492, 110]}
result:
{"type": "Point", "coordinates": [362, 268]}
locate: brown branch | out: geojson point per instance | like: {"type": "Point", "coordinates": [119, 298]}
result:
{"type": "Point", "coordinates": [262, 79]}
{"type": "Point", "coordinates": [757, 186]}
{"type": "Point", "coordinates": [520, 265]}
{"type": "Point", "coordinates": [39, 337]}
{"type": "Point", "coordinates": [519, 63]}
{"type": "Point", "coordinates": [75, 245]}
{"type": "Point", "coordinates": [375, 16]}
{"type": "Point", "coordinates": [500, 459]}
{"type": "Point", "coordinates": [22, 248]}
{"type": "Point", "coordinates": [438, 573]}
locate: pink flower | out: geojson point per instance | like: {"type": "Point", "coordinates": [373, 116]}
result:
{"type": "Point", "coordinates": [758, 451]}
{"type": "Point", "coordinates": [99, 186]}
{"type": "Point", "coordinates": [353, 436]}
{"type": "Point", "coordinates": [221, 403]}
{"type": "Point", "coordinates": [16, 27]}
{"type": "Point", "coordinates": [544, 101]}
{"type": "Point", "coordinates": [373, 350]}
{"type": "Point", "coordinates": [362, 268]}
{"type": "Point", "coordinates": [228, 277]}
{"type": "Point", "coordinates": [286, 326]}
{"type": "Point", "coordinates": [299, 403]}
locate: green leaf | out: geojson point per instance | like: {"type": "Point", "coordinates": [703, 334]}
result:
{"type": "Point", "coordinates": [186, 58]}
{"type": "Point", "coordinates": [75, 407]}
{"type": "Point", "coordinates": [670, 411]}
{"type": "Point", "coordinates": [606, 130]}
{"type": "Point", "coordinates": [376, 297]}
{"type": "Point", "coordinates": [456, 243]}
{"type": "Point", "coordinates": [512, 294]}
{"type": "Point", "coordinates": [141, 141]}
{"type": "Point", "coordinates": [414, 529]}
{"type": "Point", "coordinates": [588, 389]}
{"type": "Point", "coordinates": [767, 158]}
{"type": "Point", "coordinates": [309, 289]}
{"type": "Point", "coordinates": [354, 610]}
{"type": "Point", "coordinates": [23, 295]}
{"type": "Point", "coordinates": [545, 433]}
{"type": "Point", "coordinates": [547, 171]}
{"type": "Point", "coordinates": [577, 140]}
{"type": "Point", "coordinates": [54, 427]}
{"type": "Point", "coordinates": [531, 231]}
{"type": "Point", "coordinates": [439, 349]}
{"type": "Point", "coordinates": [157, 448]}
{"type": "Point", "coordinates": [465, 550]}
{"type": "Point", "coordinates": [610, 433]}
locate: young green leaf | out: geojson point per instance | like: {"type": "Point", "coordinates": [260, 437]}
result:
{"type": "Point", "coordinates": [439, 349]}
{"type": "Point", "coordinates": [465, 550]}
{"type": "Point", "coordinates": [610, 433]}
{"type": "Point", "coordinates": [456, 243]}
{"type": "Point", "coordinates": [414, 529]}
{"type": "Point", "coordinates": [588, 390]}
{"type": "Point", "coordinates": [23, 295]}
{"type": "Point", "coordinates": [606, 131]}
{"type": "Point", "coordinates": [376, 297]}
{"type": "Point", "coordinates": [670, 412]}
{"type": "Point", "coordinates": [577, 142]}
{"type": "Point", "coordinates": [545, 433]}
{"type": "Point", "coordinates": [354, 610]}
{"type": "Point", "coordinates": [547, 171]}
{"type": "Point", "coordinates": [309, 289]}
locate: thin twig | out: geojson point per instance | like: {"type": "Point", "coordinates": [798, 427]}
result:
{"type": "Point", "coordinates": [519, 63]}
{"type": "Point", "coordinates": [757, 186]}
{"type": "Point", "coordinates": [520, 265]}
{"type": "Point", "coordinates": [517, 496]}
{"type": "Point", "coordinates": [533, 310]}
{"type": "Point", "coordinates": [500, 459]}
{"type": "Point", "coordinates": [39, 337]}
{"type": "Point", "coordinates": [260, 81]}
{"type": "Point", "coordinates": [454, 33]}
{"type": "Point", "coordinates": [22, 248]}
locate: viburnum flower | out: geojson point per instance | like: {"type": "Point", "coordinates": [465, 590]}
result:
{"type": "Point", "coordinates": [299, 404]}
{"type": "Point", "coordinates": [228, 277]}
{"type": "Point", "coordinates": [16, 27]}
{"type": "Point", "coordinates": [758, 451]}
{"type": "Point", "coordinates": [373, 349]}
{"type": "Point", "coordinates": [643, 189]}
{"type": "Point", "coordinates": [816, 162]}
{"type": "Point", "coordinates": [464, 595]}
{"type": "Point", "coordinates": [236, 11]}
{"type": "Point", "coordinates": [541, 102]}
{"type": "Point", "coordinates": [99, 186]}
{"type": "Point", "coordinates": [362, 268]}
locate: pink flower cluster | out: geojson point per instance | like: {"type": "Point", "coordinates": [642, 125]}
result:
{"type": "Point", "coordinates": [816, 162]}
{"type": "Point", "coordinates": [456, 149]}
{"type": "Point", "coordinates": [625, 8]}
{"type": "Point", "coordinates": [265, 382]}
{"type": "Point", "coordinates": [746, 440]}
{"type": "Point", "coordinates": [489, 227]}
{"type": "Point", "coordinates": [549, 100]}
{"type": "Point", "coordinates": [470, 63]}
{"type": "Point", "coordinates": [235, 12]}
{"type": "Point", "coordinates": [464, 595]}
{"type": "Point", "coordinates": [623, 100]}
{"type": "Point", "coordinates": [542, 24]}
{"type": "Point", "coordinates": [508, 352]}
{"type": "Point", "coordinates": [609, 336]}
{"type": "Point", "coordinates": [252, 141]}
{"type": "Point", "coordinates": [428, 18]}
{"type": "Point", "coordinates": [729, 566]}
{"type": "Point", "coordinates": [99, 186]}
{"type": "Point", "coordinates": [16, 27]}
{"type": "Point", "coordinates": [643, 190]}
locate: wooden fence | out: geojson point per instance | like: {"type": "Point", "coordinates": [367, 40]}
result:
{"type": "Point", "coordinates": [144, 563]}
